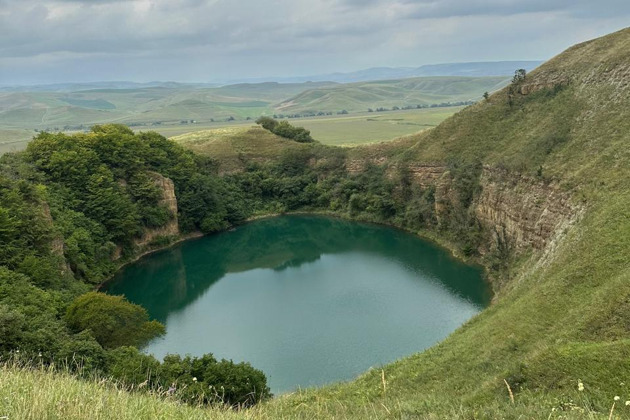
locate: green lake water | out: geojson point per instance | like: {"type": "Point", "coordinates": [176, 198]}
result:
{"type": "Point", "coordinates": [309, 300]}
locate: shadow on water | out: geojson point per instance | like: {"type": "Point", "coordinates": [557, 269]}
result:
{"type": "Point", "coordinates": [170, 280]}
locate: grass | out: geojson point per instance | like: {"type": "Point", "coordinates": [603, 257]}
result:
{"type": "Point", "coordinates": [12, 140]}
{"type": "Point", "coordinates": [92, 399]}
{"type": "Point", "coordinates": [233, 146]}
{"type": "Point", "coordinates": [373, 127]}
{"type": "Point", "coordinates": [66, 397]}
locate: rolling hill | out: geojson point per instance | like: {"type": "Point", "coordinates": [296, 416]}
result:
{"type": "Point", "coordinates": [22, 113]}
{"type": "Point", "coordinates": [424, 91]}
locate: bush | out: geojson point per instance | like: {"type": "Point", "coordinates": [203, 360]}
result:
{"type": "Point", "coordinates": [204, 380]}
{"type": "Point", "coordinates": [112, 320]}
{"type": "Point", "coordinates": [286, 130]}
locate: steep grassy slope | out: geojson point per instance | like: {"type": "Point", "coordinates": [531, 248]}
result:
{"type": "Point", "coordinates": [556, 142]}
{"type": "Point", "coordinates": [355, 97]}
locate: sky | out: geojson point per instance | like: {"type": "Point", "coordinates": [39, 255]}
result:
{"type": "Point", "coordinates": [216, 40]}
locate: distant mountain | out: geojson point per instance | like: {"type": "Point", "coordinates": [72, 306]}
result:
{"type": "Point", "coordinates": [475, 69]}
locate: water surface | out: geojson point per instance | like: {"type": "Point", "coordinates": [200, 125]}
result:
{"type": "Point", "coordinates": [309, 300]}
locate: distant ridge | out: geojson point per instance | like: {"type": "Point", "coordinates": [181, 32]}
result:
{"type": "Point", "coordinates": [473, 69]}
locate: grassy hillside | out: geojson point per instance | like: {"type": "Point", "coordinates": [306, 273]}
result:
{"type": "Point", "coordinates": [561, 314]}
{"type": "Point", "coordinates": [356, 97]}
{"type": "Point", "coordinates": [232, 147]}
{"type": "Point", "coordinates": [70, 398]}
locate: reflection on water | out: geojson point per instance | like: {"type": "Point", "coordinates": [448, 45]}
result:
{"type": "Point", "coordinates": [291, 294]}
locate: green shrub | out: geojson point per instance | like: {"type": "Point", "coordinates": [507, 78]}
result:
{"type": "Point", "coordinates": [112, 320]}
{"type": "Point", "coordinates": [285, 129]}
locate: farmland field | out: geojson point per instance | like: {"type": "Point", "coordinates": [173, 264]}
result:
{"type": "Point", "coordinates": [338, 130]}
{"type": "Point", "coordinates": [371, 127]}
{"type": "Point", "coordinates": [341, 130]}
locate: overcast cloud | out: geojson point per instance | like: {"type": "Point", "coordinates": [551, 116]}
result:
{"type": "Point", "coordinates": [210, 40]}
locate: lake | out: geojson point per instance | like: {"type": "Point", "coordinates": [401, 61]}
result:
{"type": "Point", "coordinates": [309, 300]}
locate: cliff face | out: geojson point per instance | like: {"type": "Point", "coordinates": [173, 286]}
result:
{"type": "Point", "coordinates": [169, 201]}
{"type": "Point", "coordinates": [529, 211]}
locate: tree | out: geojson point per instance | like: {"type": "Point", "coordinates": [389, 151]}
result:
{"type": "Point", "coordinates": [519, 75]}
{"type": "Point", "coordinates": [108, 203]}
{"type": "Point", "coordinates": [267, 123]}
{"type": "Point", "coordinates": [112, 320]}
{"type": "Point", "coordinates": [285, 129]}
{"type": "Point", "coordinates": [486, 96]}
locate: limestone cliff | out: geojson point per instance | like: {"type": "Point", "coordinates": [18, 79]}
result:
{"type": "Point", "coordinates": [530, 211]}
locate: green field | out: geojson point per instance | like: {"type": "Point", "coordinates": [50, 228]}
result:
{"type": "Point", "coordinates": [12, 140]}
{"type": "Point", "coordinates": [338, 130]}
{"type": "Point", "coordinates": [371, 127]}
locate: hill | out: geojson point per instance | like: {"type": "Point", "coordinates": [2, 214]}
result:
{"type": "Point", "coordinates": [532, 183]}
{"type": "Point", "coordinates": [233, 147]}
{"type": "Point", "coordinates": [425, 91]}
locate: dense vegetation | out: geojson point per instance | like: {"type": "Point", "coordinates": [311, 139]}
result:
{"type": "Point", "coordinates": [71, 210]}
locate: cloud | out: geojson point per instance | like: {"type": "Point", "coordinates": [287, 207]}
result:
{"type": "Point", "coordinates": [202, 39]}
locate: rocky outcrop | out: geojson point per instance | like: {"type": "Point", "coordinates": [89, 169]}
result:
{"type": "Point", "coordinates": [355, 166]}
{"type": "Point", "coordinates": [169, 201]}
{"type": "Point", "coordinates": [525, 211]}
{"type": "Point", "coordinates": [530, 212]}
{"type": "Point", "coordinates": [426, 175]}
{"type": "Point", "coordinates": [551, 82]}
